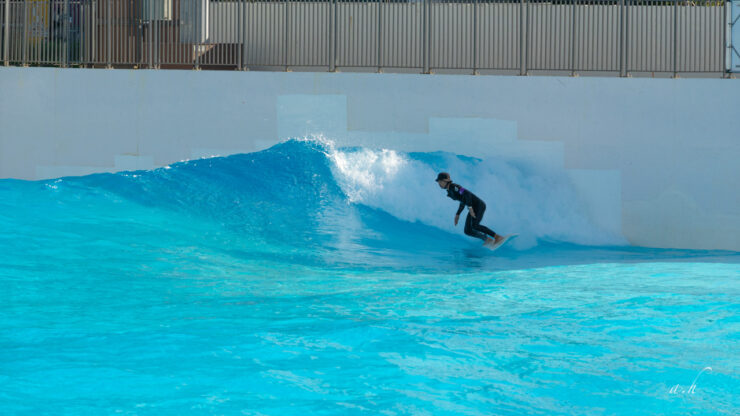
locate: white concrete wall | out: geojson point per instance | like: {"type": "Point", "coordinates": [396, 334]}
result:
{"type": "Point", "coordinates": [656, 159]}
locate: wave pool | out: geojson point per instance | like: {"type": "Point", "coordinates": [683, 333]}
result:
{"type": "Point", "coordinates": [309, 279]}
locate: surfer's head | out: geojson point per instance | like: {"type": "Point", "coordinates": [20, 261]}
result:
{"type": "Point", "coordinates": [443, 179]}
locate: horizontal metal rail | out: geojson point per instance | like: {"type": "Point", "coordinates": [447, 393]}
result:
{"type": "Point", "coordinates": [619, 37]}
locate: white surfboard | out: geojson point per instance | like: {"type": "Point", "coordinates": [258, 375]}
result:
{"type": "Point", "coordinates": [494, 247]}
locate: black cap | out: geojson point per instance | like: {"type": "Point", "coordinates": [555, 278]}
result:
{"type": "Point", "coordinates": [442, 176]}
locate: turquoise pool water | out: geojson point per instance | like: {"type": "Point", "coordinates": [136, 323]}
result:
{"type": "Point", "coordinates": [306, 279]}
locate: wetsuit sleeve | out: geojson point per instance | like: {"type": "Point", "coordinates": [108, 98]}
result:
{"type": "Point", "coordinates": [467, 199]}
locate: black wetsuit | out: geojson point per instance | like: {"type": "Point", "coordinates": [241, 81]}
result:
{"type": "Point", "coordinates": [467, 198]}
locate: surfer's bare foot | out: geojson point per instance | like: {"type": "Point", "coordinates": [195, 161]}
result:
{"type": "Point", "coordinates": [489, 241]}
{"type": "Point", "coordinates": [498, 239]}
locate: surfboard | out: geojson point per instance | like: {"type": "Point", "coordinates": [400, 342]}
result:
{"type": "Point", "coordinates": [494, 247]}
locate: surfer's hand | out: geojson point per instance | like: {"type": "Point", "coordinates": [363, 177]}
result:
{"type": "Point", "coordinates": [472, 213]}
{"type": "Point", "coordinates": [457, 218]}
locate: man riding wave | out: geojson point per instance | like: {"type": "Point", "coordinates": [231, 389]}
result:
{"type": "Point", "coordinates": [476, 209]}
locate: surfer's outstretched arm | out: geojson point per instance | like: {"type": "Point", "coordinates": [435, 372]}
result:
{"type": "Point", "coordinates": [459, 210]}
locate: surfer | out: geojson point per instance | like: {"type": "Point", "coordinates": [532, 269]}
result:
{"type": "Point", "coordinates": [476, 209]}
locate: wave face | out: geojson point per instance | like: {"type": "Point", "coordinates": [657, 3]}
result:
{"type": "Point", "coordinates": [308, 197]}
{"type": "Point", "coordinates": [308, 201]}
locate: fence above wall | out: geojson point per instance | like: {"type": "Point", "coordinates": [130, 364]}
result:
{"type": "Point", "coordinates": [612, 36]}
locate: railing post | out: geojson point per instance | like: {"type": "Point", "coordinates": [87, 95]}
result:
{"type": "Point", "coordinates": [65, 30]}
{"type": "Point", "coordinates": [573, 38]}
{"type": "Point", "coordinates": [622, 39]}
{"type": "Point", "coordinates": [147, 29]}
{"type": "Point", "coordinates": [425, 35]}
{"type": "Point", "coordinates": [726, 61]}
{"type": "Point", "coordinates": [333, 36]}
{"type": "Point", "coordinates": [675, 38]}
{"type": "Point", "coordinates": [475, 37]}
{"type": "Point", "coordinates": [198, 28]}
{"type": "Point", "coordinates": [109, 36]}
{"type": "Point", "coordinates": [523, 31]}
{"type": "Point", "coordinates": [244, 34]}
{"type": "Point", "coordinates": [25, 33]}
{"type": "Point", "coordinates": [94, 25]}
{"type": "Point", "coordinates": [149, 33]}
{"type": "Point", "coordinates": [286, 33]}
{"type": "Point", "coordinates": [334, 47]}
{"type": "Point", "coordinates": [155, 37]}
{"type": "Point", "coordinates": [379, 38]}
{"type": "Point", "coordinates": [239, 26]}
{"type": "Point", "coordinates": [81, 34]}
{"type": "Point", "coordinates": [6, 33]}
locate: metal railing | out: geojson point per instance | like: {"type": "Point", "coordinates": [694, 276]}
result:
{"type": "Point", "coordinates": [615, 36]}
